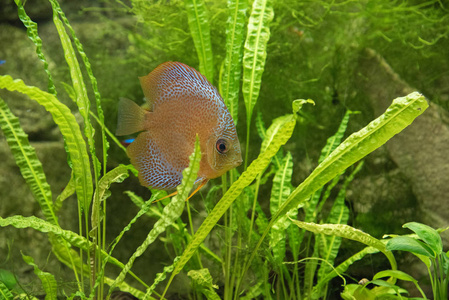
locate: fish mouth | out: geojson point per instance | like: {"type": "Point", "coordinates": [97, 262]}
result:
{"type": "Point", "coordinates": [238, 162]}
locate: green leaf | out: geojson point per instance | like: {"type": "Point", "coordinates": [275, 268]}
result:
{"type": "Point", "coordinates": [406, 243]}
{"type": "Point", "coordinates": [200, 31]}
{"type": "Point", "coordinates": [335, 140]}
{"type": "Point", "coordinates": [332, 142]}
{"type": "Point", "coordinates": [230, 80]}
{"type": "Point", "coordinates": [260, 126]}
{"type": "Point", "coordinates": [255, 52]}
{"type": "Point", "coordinates": [257, 166]}
{"type": "Point", "coordinates": [398, 116]}
{"type": "Point", "coordinates": [350, 233]}
{"type": "Point", "coordinates": [159, 278]}
{"type": "Point", "coordinates": [298, 104]}
{"type": "Point", "coordinates": [429, 235]}
{"type": "Point", "coordinates": [340, 269]}
{"type": "Point", "coordinates": [46, 227]}
{"type": "Point", "coordinates": [93, 81]}
{"type": "Point", "coordinates": [47, 279]}
{"type": "Point", "coordinates": [33, 35]}
{"type": "Point", "coordinates": [26, 158]}
{"type": "Point", "coordinates": [396, 274]}
{"type": "Point", "coordinates": [279, 193]}
{"type": "Point", "coordinates": [5, 293]}
{"type": "Point", "coordinates": [339, 214]}
{"type": "Point", "coordinates": [82, 100]}
{"type": "Point", "coordinates": [69, 128]}
{"type": "Point", "coordinates": [170, 213]}
{"type": "Point", "coordinates": [204, 283]}
{"type": "Point", "coordinates": [68, 191]}
{"type": "Point", "coordinates": [8, 279]}
{"type": "Point", "coordinates": [118, 174]}
{"type": "Point", "coordinates": [276, 125]}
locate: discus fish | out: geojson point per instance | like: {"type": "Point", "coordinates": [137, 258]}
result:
{"type": "Point", "coordinates": [181, 103]}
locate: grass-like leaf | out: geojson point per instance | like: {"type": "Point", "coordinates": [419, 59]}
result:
{"type": "Point", "coordinates": [279, 193]}
{"type": "Point", "coordinates": [82, 100]}
{"type": "Point", "coordinates": [5, 293]}
{"type": "Point", "coordinates": [340, 269]}
{"type": "Point", "coordinates": [69, 128]}
{"type": "Point", "coordinates": [350, 233]}
{"type": "Point", "coordinates": [47, 279]}
{"type": "Point", "coordinates": [93, 80]}
{"type": "Point", "coordinates": [399, 115]}
{"type": "Point", "coordinates": [26, 158]}
{"type": "Point", "coordinates": [200, 31]}
{"type": "Point", "coordinates": [117, 174]}
{"type": "Point", "coordinates": [339, 214]}
{"type": "Point", "coordinates": [46, 227]}
{"type": "Point", "coordinates": [230, 79]}
{"type": "Point", "coordinates": [255, 52]}
{"type": "Point", "coordinates": [257, 166]}
{"type": "Point", "coordinates": [68, 191]}
{"type": "Point", "coordinates": [33, 35]}
{"type": "Point", "coordinates": [171, 212]}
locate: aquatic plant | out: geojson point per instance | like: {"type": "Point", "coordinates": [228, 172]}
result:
{"type": "Point", "coordinates": [247, 259]}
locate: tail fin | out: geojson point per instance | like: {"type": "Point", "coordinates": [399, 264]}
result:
{"type": "Point", "coordinates": [131, 117]}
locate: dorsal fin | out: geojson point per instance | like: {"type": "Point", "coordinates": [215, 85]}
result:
{"type": "Point", "coordinates": [173, 79]}
{"type": "Point", "coordinates": [131, 117]}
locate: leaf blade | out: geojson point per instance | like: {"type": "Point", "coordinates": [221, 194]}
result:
{"type": "Point", "coordinates": [200, 31]}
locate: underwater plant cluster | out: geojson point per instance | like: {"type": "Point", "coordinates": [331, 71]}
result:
{"type": "Point", "coordinates": [342, 190]}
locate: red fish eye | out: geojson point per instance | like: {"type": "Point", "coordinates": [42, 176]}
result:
{"type": "Point", "coordinates": [221, 146]}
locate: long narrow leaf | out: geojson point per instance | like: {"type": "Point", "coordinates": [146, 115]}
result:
{"type": "Point", "coordinates": [200, 31]}
{"type": "Point", "coordinates": [93, 81]}
{"type": "Point", "coordinates": [47, 279]}
{"type": "Point", "coordinates": [26, 158]}
{"type": "Point", "coordinates": [33, 35]}
{"type": "Point", "coordinates": [339, 214]}
{"type": "Point", "coordinates": [69, 128]}
{"type": "Point", "coordinates": [82, 99]}
{"type": "Point", "coordinates": [257, 166]}
{"type": "Point", "coordinates": [117, 174]}
{"type": "Point", "coordinates": [350, 233]}
{"type": "Point", "coordinates": [279, 193]}
{"type": "Point", "coordinates": [341, 268]}
{"type": "Point", "coordinates": [255, 52]}
{"type": "Point", "coordinates": [5, 293]}
{"type": "Point", "coordinates": [399, 115]}
{"type": "Point", "coordinates": [230, 83]}
{"type": "Point", "coordinates": [46, 227]}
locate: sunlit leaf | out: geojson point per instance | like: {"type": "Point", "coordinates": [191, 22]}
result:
{"type": "Point", "coordinates": [255, 52]}
{"type": "Point", "coordinates": [47, 279]}
{"type": "Point", "coordinates": [33, 35]}
{"type": "Point", "coordinates": [69, 128]}
{"type": "Point", "coordinates": [230, 79]}
{"type": "Point", "coordinates": [200, 31]}
{"type": "Point", "coordinates": [26, 158]}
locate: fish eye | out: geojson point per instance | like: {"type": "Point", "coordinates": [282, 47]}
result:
{"type": "Point", "coordinates": [222, 146]}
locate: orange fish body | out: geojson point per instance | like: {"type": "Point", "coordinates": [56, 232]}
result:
{"type": "Point", "coordinates": [182, 104]}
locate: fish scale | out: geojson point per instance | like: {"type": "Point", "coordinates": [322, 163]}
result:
{"type": "Point", "coordinates": [182, 104]}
